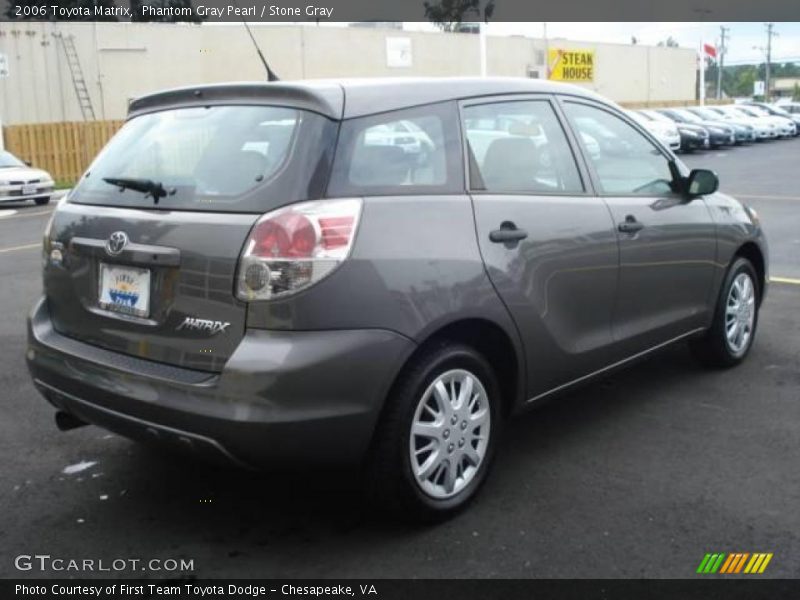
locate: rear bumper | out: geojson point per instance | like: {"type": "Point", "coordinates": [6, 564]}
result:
{"type": "Point", "coordinates": [283, 398]}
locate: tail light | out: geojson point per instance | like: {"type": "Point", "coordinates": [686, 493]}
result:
{"type": "Point", "coordinates": [292, 248]}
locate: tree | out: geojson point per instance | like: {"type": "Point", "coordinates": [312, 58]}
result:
{"type": "Point", "coordinates": [670, 42]}
{"type": "Point", "coordinates": [450, 14]}
{"type": "Point", "coordinates": [796, 92]}
{"type": "Point", "coordinates": [66, 4]}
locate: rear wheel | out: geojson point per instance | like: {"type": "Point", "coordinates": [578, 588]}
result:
{"type": "Point", "coordinates": [42, 201]}
{"type": "Point", "coordinates": [735, 319]}
{"type": "Point", "coordinates": [437, 436]}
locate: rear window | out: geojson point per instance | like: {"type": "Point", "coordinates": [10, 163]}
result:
{"type": "Point", "coordinates": [219, 158]}
{"type": "Point", "coordinates": [414, 151]}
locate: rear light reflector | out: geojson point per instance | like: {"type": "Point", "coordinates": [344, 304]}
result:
{"type": "Point", "coordinates": [292, 248]}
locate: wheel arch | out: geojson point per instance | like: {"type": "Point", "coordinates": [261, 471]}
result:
{"type": "Point", "coordinates": [493, 342]}
{"type": "Point", "coordinates": [753, 253]}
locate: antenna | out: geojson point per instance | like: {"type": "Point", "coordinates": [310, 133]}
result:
{"type": "Point", "coordinates": [271, 76]}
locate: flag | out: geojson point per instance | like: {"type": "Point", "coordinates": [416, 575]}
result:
{"type": "Point", "coordinates": [710, 50]}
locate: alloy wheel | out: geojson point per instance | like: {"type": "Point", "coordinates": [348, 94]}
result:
{"type": "Point", "coordinates": [449, 433]}
{"type": "Point", "coordinates": [740, 311]}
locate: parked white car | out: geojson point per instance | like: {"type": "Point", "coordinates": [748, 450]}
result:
{"type": "Point", "coordinates": [764, 129]}
{"type": "Point", "coordinates": [786, 126]}
{"type": "Point", "coordinates": [19, 181]}
{"type": "Point", "coordinates": [666, 133]}
{"type": "Point", "coordinates": [789, 106]}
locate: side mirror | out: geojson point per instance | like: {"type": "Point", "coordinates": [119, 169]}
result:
{"type": "Point", "coordinates": [28, 163]}
{"type": "Point", "coordinates": [701, 182]}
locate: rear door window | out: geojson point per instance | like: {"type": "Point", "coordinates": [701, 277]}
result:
{"type": "Point", "coordinates": [220, 158]}
{"type": "Point", "coordinates": [519, 146]}
{"type": "Point", "coordinates": [413, 151]}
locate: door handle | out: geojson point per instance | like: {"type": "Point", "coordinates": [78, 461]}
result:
{"type": "Point", "coordinates": [507, 234]}
{"type": "Point", "coordinates": [630, 225]}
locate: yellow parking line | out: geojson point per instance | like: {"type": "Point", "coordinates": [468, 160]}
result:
{"type": "Point", "coordinates": [788, 280]}
{"type": "Point", "coordinates": [24, 247]}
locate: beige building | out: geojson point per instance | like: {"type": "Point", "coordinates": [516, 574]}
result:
{"type": "Point", "coordinates": [120, 61]}
{"type": "Point", "coordinates": [785, 87]}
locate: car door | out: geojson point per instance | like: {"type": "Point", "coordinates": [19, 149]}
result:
{"type": "Point", "coordinates": [548, 243]}
{"type": "Point", "coordinates": [667, 242]}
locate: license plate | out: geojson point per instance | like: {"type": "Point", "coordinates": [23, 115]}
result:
{"type": "Point", "coordinates": [125, 289]}
{"type": "Point", "coordinates": [27, 190]}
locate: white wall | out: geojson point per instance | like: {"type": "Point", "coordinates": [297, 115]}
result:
{"type": "Point", "coordinates": [123, 60]}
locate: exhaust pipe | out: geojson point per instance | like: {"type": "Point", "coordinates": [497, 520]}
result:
{"type": "Point", "coordinates": [65, 421]}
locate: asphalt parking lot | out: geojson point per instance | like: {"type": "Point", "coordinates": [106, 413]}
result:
{"type": "Point", "coordinates": [636, 476]}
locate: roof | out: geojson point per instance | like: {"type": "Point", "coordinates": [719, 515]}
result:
{"type": "Point", "coordinates": [347, 98]}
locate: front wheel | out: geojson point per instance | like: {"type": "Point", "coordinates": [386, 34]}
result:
{"type": "Point", "coordinates": [735, 318]}
{"type": "Point", "coordinates": [436, 439]}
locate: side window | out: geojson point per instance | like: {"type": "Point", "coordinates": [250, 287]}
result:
{"type": "Point", "coordinates": [624, 160]}
{"type": "Point", "coordinates": [519, 146]}
{"type": "Point", "coordinates": [400, 152]}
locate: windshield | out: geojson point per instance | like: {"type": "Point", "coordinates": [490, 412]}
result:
{"type": "Point", "coordinates": [657, 116]}
{"type": "Point", "coordinates": [724, 115]}
{"type": "Point", "coordinates": [709, 115]}
{"type": "Point", "coordinates": [638, 117]}
{"type": "Point", "coordinates": [738, 112]}
{"type": "Point", "coordinates": [689, 116]}
{"type": "Point", "coordinates": [750, 112]}
{"type": "Point", "coordinates": [9, 160]}
{"type": "Point", "coordinates": [213, 158]}
{"type": "Point", "coordinates": [776, 110]}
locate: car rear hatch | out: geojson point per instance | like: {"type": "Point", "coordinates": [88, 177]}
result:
{"type": "Point", "coordinates": [141, 259]}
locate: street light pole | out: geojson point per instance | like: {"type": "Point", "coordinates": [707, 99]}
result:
{"type": "Point", "coordinates": [770, 34]}
{"type": "Point", "coordinates": [721, 60]}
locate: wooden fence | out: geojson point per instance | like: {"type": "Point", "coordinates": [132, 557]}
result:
{"type": "Point", "coordinates": [62, 149]}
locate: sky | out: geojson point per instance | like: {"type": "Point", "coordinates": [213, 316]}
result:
{"type": "Point", "coordinates": [746, 40]}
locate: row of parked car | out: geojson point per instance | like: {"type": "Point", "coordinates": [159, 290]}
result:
{"type": "Point", "coordinates": [696, 127]}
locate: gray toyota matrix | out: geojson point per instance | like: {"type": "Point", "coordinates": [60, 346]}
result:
{"type": "Point", "coordinates": [378, 273]}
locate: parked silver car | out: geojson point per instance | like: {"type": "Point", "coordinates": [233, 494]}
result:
{"type": "Point", "coordinates": [284, 286]}
{"type": "Point", "coordinates": [19, 181]}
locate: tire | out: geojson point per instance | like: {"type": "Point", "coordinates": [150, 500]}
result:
{"type": "Point", "coordinates": [42, 201]}
{"type": "Point", "coordinates": [390, 478]}
{"type": "Point", "coordinates": [715, 349]}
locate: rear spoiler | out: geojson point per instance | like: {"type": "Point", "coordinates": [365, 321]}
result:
{"type": "Point", "coordinates": [324, 98]}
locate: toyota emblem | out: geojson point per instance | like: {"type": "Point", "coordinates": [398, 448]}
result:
{"type": "Point", "coordinates": [116, 242]}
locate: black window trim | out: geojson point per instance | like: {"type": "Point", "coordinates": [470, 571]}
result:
{"type": "Point", "coordinates": [468, 157]}
{"type": "Point", "coordinates": [671, 159]}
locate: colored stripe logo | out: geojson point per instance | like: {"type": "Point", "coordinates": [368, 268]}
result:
{"type": "Point", "coordinates": [735, 562]}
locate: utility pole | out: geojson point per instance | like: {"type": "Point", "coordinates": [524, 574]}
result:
{"type": "Point", "coordinates": [770, 34]}
{"type": "Point", "coordinates": [723, 32]}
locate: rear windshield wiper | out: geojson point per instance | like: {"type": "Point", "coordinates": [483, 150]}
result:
{"type": "Point", "coordinates": [146, 186]}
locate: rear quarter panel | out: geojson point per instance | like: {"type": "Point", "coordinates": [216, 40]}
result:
{"type": "Point", "coordinates": [415, 268]}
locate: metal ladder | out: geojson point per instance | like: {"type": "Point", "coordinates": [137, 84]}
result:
{"type": "Point", "coordinates": [81, 91]}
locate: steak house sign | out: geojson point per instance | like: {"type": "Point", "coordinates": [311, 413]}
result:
{"type": "Point", "coordinates": [570, 65]}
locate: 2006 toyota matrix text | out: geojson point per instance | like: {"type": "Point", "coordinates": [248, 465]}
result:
{"type": "Point", "coordinates": [378, 273]}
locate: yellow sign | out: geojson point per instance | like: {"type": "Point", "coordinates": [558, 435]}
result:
{"type": "Point", "coordinates": [570, 65]}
